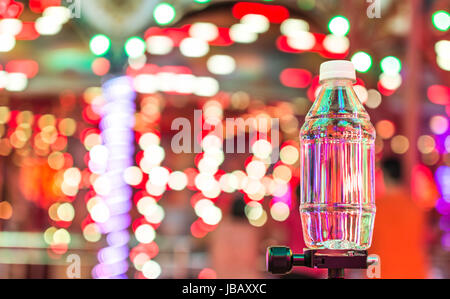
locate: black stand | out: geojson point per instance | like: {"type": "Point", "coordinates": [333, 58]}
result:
{"type": "Point", "coordinates": [280, 260]}
{"type": "Point", "coordinates": [336, 273]}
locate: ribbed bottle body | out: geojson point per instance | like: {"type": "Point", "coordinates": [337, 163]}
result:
{"type": "Point", "coordinates": [337, 162]}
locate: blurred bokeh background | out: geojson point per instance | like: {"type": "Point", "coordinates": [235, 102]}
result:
{"type": "Point", "coordinates": [89, 91]}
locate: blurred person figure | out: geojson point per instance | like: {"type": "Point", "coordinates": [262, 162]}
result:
{"type": "Point", "coordinates": [400, 226]}
{"type": "Point", "coordinates": [235, 245]}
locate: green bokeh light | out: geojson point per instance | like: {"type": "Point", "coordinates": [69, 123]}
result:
{"type": "Point", "coordinates": [164, 13]}
{"type": "Point", "coordinates": [362, 61]}
{"type": "Point", "coordinates": [391, 65]}
{"type": "Point", "coordinates": [441, 20]}
{"type": "Point", "coordinates": [135, 47]}
{"type": "Point", "coordinates": [339, 25]}
{"type": "Point", "coordinates": [100, 44]}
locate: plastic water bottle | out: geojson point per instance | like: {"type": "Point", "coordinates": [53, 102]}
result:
{"type": "Point", "coordinates": [337, 165]}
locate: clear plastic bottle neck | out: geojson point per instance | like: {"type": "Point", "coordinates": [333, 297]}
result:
{"type": "Point", "coordinates": [337, 98]}
{"type": "Point", "coordinates": [337, 82]}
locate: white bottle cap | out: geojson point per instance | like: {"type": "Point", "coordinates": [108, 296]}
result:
{"type": "Point", "coordinates": [337, 69]}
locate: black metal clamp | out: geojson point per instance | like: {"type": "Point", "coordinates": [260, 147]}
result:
{"type": "Point", "coordinates": [281, 260]}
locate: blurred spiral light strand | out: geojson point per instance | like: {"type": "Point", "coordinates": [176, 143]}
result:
{"type": "Point", "coordinates": [117, 133]}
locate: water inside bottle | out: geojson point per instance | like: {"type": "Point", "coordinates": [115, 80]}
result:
{"type": "Point", "coordinates": [337, 175]}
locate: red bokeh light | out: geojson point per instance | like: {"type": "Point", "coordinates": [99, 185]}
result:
{"type": "Point", "coordinates": [195, 198]}
{"type": "Point", "coordinates": [68, 160]}
{"type": "Point", "coordinates": [59, 249]}
{"type": "Point", "coordinates": [90, 116]}
{"type": "Point", "coordinates": [423, 187]}
{"type": "Point", "coordinates": [439, 94]}
{"type": "Point", "coordinates": [151, 250]}
{"type": "Point", "coordinates": [10, 9]}
{"type": "Point", "coordinates": [28, 67]}
{"type": "Point", "coordinates": [274, 13]}
{"type": "Point", "coordinates": [223, 39]}
{"type": "Point", "coordinates": [191, 173]}
{"type": "Point", "coordinates": [101, 66]}
{"type": "Point", "coordinates": [38, 6]}
{"type": "Point", "coordinates": [175, 34]}
{"type": "Point", "coordinates": [383, 90]}
{"type": "Point", "coordinates": [197, 231]}
{"type": "Point", "coordinates": [207, 273]}
{"type": "Point", "coordinates": [296, 78]}
{"type": "Point", "coordinates": [204, 226]}
{"type": "Point", "coordinates": [141, 221]}
{"type": "Point", "coordinates": [28, 32]}
{"type": "Point", "coordinates": [60, 143]}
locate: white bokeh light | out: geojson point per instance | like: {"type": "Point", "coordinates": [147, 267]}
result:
{"type": "Point", "coordinates": [159, 45]}
{"type": "Point", "coordinates": [194, 47]}
{"type": "Point", "coordinates": [221, 64]}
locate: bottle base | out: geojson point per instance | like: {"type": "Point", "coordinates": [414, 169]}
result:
{"type": "Point", "coordinates": [339, 226]}
{"type": "Point", "coordinates": [337, 244]}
